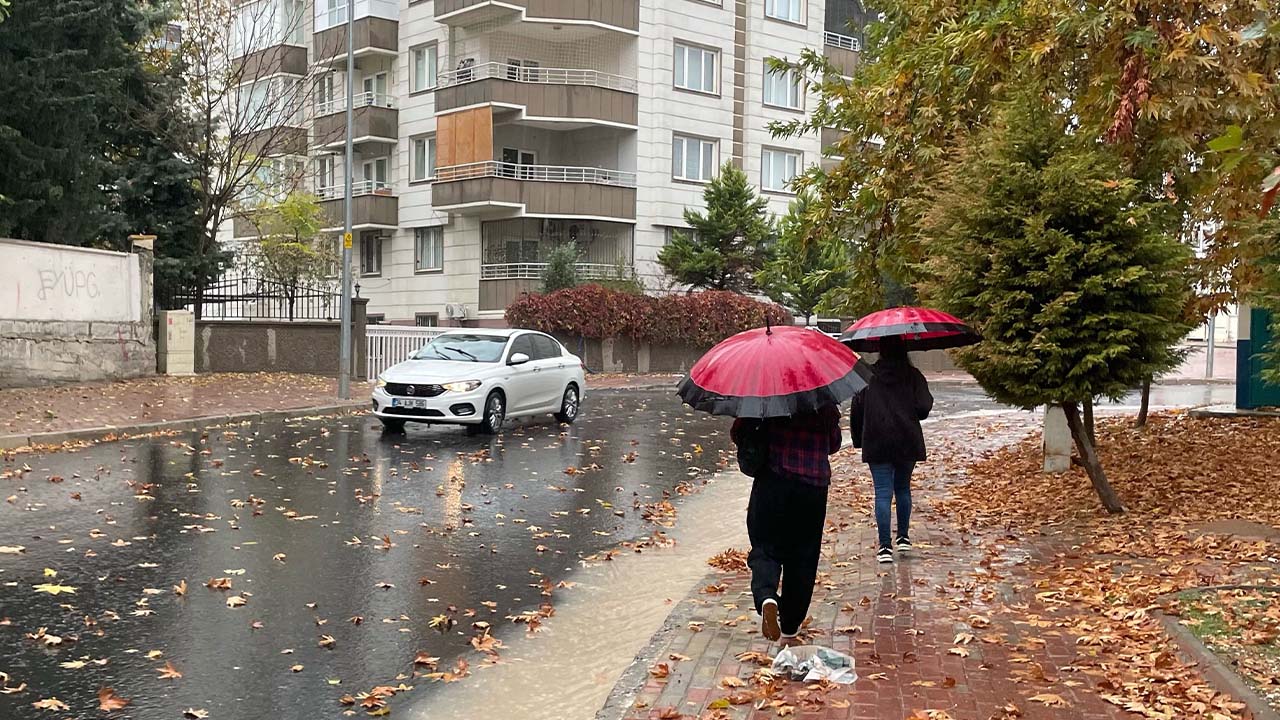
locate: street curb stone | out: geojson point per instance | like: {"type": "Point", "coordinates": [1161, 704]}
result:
{"type": "Point", "coordinates": [1217, 672]}
{"type": "Point", "coordinates": [97, 434]}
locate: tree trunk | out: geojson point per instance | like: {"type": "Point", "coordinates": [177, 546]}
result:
{"type": "Point", "coordinates": [1089, 458]}
{"type": "Point", "coordinates": [1146, 402]}
{"type": "Point", "coordinates": [1088, 422]}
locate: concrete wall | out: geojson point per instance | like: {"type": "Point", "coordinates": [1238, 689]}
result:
{"type": "Point", "coordinates": [70, 314]}
{"type": "Point", "coordinates": [279, 345]}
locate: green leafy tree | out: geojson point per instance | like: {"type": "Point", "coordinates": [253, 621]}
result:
{"type": "Point", "coordinates": [562, 268]}
{"type": "Point", "coordinates": [808, 268]}
{"type": "Point", "coordinates": [728, 242]}
{"type": "Point", "coordinates": [290, 253]}
{"type": "Point", "coordinates": [1155, 81]}
{"type": "Point", "coordinates": [1059, 260]}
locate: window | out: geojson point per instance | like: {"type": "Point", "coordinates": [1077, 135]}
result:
{"type": "Point", "coordinates": [522, 70]}
{"type": "Point", "coordinates": [425, 67]}
{"type": "Point", "coordinates": [696, 68]}
{"type": "Point", "coordinates": [428, 249]}
{"type": "Point", "coordinates": [545, 347]}
{"type": "Point", "coordinates": [375, 319]}
{"type": "Point", "coordinates": [325, 97]}
{"type": "Point", "coordinates": [266, 23]}
{"type": "Point", "coordinates": [375, 91]}
{"type": "Point", "coordinates": [670, 233]}
{"type": "Point", "coordinates": [324, 172]}
{"type": "Point", "coordinates": [777, 168]}
{"type": "Point", "coordinates": [269, 103]}
{"type": "Point", "coordinates": [426, 319]}
{"type": "Point", "coordinates": [788, 10]}
{"type": "Point", "coordinates": [693, 158]}
{"type": "Point", "coordinates": [424, 158]}
{"type": "Point", "coordinates": [782, 88]}
{"type": "Point", "coordinates": [522, 344]}
{"type": "Point", "coordinates": [370, 253]}
{"type": "Point", "coordinates": [375, 174]}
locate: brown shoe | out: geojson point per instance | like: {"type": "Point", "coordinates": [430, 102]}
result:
{"type": "Point", "coordinates": [769, 626]}
{"type": "Point", "coordinates": [787, 641]}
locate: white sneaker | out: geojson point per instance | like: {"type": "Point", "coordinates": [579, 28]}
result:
{"type": "Point", "coordinates": [769, 626]}
{"type": "Point", "coordinates": [884, 556]}
{"type": "Point", "coordinates": [904, 545]}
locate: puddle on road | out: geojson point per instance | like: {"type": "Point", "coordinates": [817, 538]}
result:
{"type": "Point", "coordinates": [568, 669]}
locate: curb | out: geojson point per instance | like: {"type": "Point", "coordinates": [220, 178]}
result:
{"type": "Point", "coordinates": [1230, 411]}
{"type": "Point", "coordinates": [1216, 672]}
{"type": "Point", "coordinates": [120, 432]}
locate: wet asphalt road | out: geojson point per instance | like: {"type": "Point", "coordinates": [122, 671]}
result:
{"type": "Point", "coordinates": [315, 524]}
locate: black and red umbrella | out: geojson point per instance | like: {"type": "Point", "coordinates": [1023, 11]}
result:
{"type": "Point", "coordinates": [773, 372]}
{"type": "Point", "coordinates": [920, 329]}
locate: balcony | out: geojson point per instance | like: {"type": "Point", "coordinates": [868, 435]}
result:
{"type": "Point", "coordinates": [373, 205]}
{"type": "Point", "coordinates": [842, 51]}
{"type": "Point", "coordinates": [555, 93]}
{"type": "Point", "coordinates": [615, 14]}
{"type": "Point", "coordinates": [502, 283]}
{"type": "Point", "coordinates": [376, 31]}
{"type": "Point", "coordinates": [500, 188]}
{"type": "Point", "coordinates": [374, 121]}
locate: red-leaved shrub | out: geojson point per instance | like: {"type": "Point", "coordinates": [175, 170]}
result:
{"type": "Point", "coordinates": [700, 320]}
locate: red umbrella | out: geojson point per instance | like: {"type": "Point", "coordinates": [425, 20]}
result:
{"type": "Point", "coordinates": [920, 329]}
{"type": "Point", "coordinates": [773, 372]}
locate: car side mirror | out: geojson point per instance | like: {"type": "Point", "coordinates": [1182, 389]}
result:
{"type": "Point", "coordinates": [517, 359]}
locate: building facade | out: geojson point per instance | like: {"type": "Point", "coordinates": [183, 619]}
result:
{"type": "Point", "coordinates": [487, 132]}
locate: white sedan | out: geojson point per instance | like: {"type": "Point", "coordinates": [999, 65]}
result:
{"type": "Point", "coordinates": [479, 378]}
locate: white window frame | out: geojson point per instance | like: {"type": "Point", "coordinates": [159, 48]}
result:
{"type": "Point", "coordinates": [424, 78]}
{"type": "Point", "coordinates": [431, 234]}
{"type": "Point", "coordinates": [788, 83]}
{"type": "Point", "coordinates": [707, 167]}
{"type": "Point", "coordinates": [768, 158]}
{"type": "Point", "coordinates": [683, 68]}
{"type": "Point", "coordinates": [791, 11]}
{"type": "Point", "coordinates": [325, 172]}
{"type": "Point", "coordinates": [426, 144]}
{"type": "Point", "coordinates": [365, 271]}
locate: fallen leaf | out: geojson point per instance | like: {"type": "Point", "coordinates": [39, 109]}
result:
{"type": "Point", "coordinates": [194, 714]}
{"type": "Point", "coordinates": [169, 672]}
{"type": "Point", "coordinates": [181, 588]}
{"type": "Point", "coordinates": [109, 701]}
{"type": "Point", "coordinates": [236, 601]}
{"type": "Point", "coordinates": [1049, 699]}
{"type": "Point", "coordinates": [54, 589]}
{"type": "Point", "coordinates": [52, 703]}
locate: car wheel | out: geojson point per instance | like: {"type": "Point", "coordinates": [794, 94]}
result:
{"type": "Point", "coordinates": [495, 413]}
{"type": "Point", "coordinates": [569, 405]}
{"type": "Point", "coordinates": [392, 425]}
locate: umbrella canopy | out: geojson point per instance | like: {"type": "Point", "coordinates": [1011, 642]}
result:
{"type": "Point", "coordinates": [920, 329]}
{"type": "Point", "coordinates": [773, 372]}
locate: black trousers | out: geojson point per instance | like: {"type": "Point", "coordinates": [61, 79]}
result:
{"type": "Point", "coordinates": [784, 521]}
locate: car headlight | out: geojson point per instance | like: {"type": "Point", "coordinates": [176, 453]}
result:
{"type": "Point", "coordinates": [381, 382]}
{"type": "Point", "coordinates": [464, 386]}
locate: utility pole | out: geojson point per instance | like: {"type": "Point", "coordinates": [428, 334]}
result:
{"type": "Point", "coordinates": [1211, 345]}
{"type": "Point", "coordinates": [344, 312]}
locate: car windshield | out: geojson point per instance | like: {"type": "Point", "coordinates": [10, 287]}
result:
{"type": "Point", "coordinates": [467, 348]}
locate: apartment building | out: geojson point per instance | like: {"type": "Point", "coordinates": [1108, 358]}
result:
{"type": "Point", "coordinates": [487, 132]}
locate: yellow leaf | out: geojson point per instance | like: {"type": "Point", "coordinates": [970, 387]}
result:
{"type": "Point", "coordinates": [50, 573]}
{"type": "Point", "coordinates": [53, 589]}
{"type": "Point", "coordinates": [1050, 699]}
{"type": "Point", "coordinates": [52, 703]}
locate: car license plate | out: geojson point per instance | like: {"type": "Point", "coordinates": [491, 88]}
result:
{"type": "Point", "coordinates": [410, 403]}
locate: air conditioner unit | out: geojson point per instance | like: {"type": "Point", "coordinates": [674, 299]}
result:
{"type": "Point", "coordinates": [456, 311]}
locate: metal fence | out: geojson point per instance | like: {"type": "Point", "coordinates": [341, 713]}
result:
{"type": "Point", "coordinates": [242, 295]}
{"type": "Point", "coordinates": [390, 344]}
{"type": "Point", "coordinates": [542, 173]}
{"type": "Point", "coordinates": [842, 41]}
{"type": "Point", "coordinates": [537, 75]}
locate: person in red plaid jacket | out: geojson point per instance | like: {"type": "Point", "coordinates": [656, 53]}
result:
{"type": "Point", "coordinates": [786, 514]}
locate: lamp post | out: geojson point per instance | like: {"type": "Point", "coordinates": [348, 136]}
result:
{"type": "Point", "coordinates": [344, 317]}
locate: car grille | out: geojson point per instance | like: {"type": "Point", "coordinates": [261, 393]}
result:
{"type": "Point", "coordinates": [413, 412]}
{"type": "Point", "coordinates": [410, 390]}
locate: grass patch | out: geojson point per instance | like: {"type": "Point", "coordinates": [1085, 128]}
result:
{"type": "Point", "coordinates": [1241, 627]}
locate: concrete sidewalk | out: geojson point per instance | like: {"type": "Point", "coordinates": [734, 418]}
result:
{"type": "Point", "coordinates": [58, 414]}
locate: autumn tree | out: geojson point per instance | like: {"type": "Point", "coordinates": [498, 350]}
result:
{"type": "Point", "coordinates": [808, 268]}
{"type": "Point", "coordinates": [728, 241]}
{"type": "Point", "coordinates": [1038, 238]}
{"type": "Point", "coordinates": [290, 253]}
{"type": "Point", "coordinates": [248, 104]}
{"type": "Point", "coordinates": [1155, 81]}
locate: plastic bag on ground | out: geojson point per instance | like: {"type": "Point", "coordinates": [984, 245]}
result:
{"type": "Point", "coordinates": [814, 662]}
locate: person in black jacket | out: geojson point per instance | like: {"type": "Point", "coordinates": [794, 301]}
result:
{"type": "Point", "coordinates": [885, 420]}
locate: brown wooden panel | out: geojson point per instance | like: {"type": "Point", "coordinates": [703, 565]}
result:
{"type": "Point", "coordinates": [446, 137]}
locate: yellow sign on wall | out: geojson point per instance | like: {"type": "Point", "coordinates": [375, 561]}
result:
{"type": "Point", "coordinates": [346, 240]}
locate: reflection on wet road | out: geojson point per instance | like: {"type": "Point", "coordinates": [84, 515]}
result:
{"type": "Point", "coordinates": [324, 529]}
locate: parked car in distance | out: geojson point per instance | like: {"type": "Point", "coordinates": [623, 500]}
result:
{"type": "Point", "coordinates": [479, 378]}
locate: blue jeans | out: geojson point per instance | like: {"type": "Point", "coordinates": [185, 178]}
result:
{"type": "Point", "coordinates": [892, 481]}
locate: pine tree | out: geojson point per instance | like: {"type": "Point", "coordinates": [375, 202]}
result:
{"type": "Point", "coordinates": [728, 243]}
{"type": "Point", "coordinates": [1059, 260]}
{"type": "Point", "coordinates": [562, 268]}
{"type": "Point", "coordinates": [807, 266]}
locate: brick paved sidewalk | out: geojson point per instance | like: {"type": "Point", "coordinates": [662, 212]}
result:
{"type": "Point", "coordinates": [930, 640]}
{"type": "Point", "coordinates": [32, 411]}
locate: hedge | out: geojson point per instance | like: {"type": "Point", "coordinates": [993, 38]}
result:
{"type": "Point", "coordinates": [700, 320]}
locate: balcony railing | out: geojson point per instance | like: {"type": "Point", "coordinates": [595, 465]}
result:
{"type": "Point", "coordinates": [326, 18]}
{"type": "Point", "coordinates": [546, 76]}
{"type": "Point", "coordinates": [362, 187]}
{"type": "Point", "coordinates": [842, 41]}
{"type": "Point", "coordinates": [536, 173]}
{"type": "Point", "coordinates": [533, 271]}
{"type": "Point", "coordinates": [364, 99]}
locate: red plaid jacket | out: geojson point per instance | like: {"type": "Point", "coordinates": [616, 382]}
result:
{"type": "Point", "coordinates": [801, 446]}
